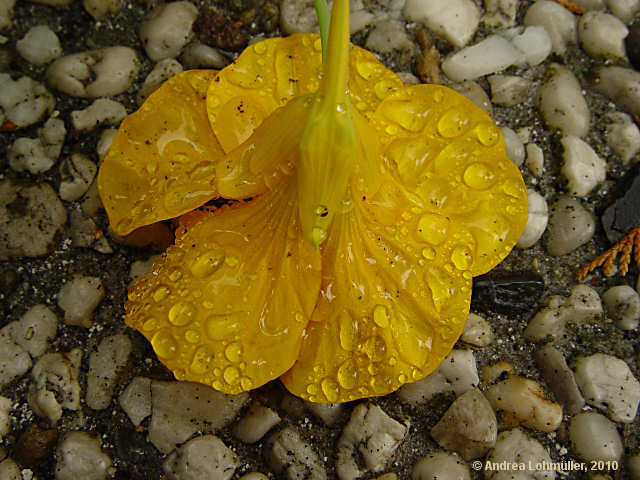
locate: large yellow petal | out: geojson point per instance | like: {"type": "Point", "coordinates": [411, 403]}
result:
{"type": "Point", "coordinates": [398, 264]}
{"type": "Point", "coordinates": [162, 161]}
{"type": "Point", "coordinates": [227, 304]}
{"type": "Point", "coordinates": [270, 73]}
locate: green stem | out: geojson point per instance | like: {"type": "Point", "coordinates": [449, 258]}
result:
{"type": "Point", "coordinates": [322, 11]}
{"type": "Point", "coordinates": [336, 68]}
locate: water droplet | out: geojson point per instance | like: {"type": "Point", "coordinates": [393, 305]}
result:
{"type": "Point", "coordinates": [432, 228]}
{"type": "Point", "coordinates": [192, 336]}
{"type": "Point", "coordinates": [217, 384]}
{"type": "Point", "coordinates": [223, 326]}
{"type": "Point", "coordinates": [164, 344]}
{"type": "Point", "coordinates": [160, 293]}
{"type": "Point", "coordinates": [514, 188]}
{"type": "Point", "coordinates": [299, 317]}
{"type": "Point", "coordinates": [438, 95]}
{"type": "Point", "coordinates": [348, 331]}
{"type": "Point", "coordinates": [317, 45]}
{"type": "Point", "coordinates": [330, 388]}
{"type": "Point", "coordinates": [246, 383]}
{"type": "Point", "coordinates": [181, 314]}
{"type": "Point", "coordinates": [380, 384]}
{"type": "Point", "coordinates": [232, 261]}
{"type": "Point", "coordinates": [467, 275]}
{"type": "Point", "coordinates": [361, 106]}
{"type": "Point", "coordinates": [151, 166]}
{"type": "Point", "coordinates": [392, 129]}
{"type": "Point", "coordinates": [375, 348]}
{"type": "Point", "coordinates": [453, 123]}
{"type": "Point", "coordinates": [348, 374]}
{"type": "Point", "coordinates": [233, 352]}
{"type": "Point", "coordinates": [260, 48]}
{"type": "Point", "coordinates": [402, 378]}
{"type": "Point", "coordinates": [429, 253]}
{"type": "Point", "coordinates": [462, 257]}
{"type": "Point", "coordinates": [382, 89]}
{"type": "Point", "coordinates": [200, 361]}
{"type": "Point", "coordinates": [393, 361]}
{"type": "Point", "coordinates": [208, 262]}
{"type": "Point", "coordinates": [203, 172]}
{"type": "Point", "coordinates": [312, 389]}
{"type": "Point", "coordinates": [367, 70]}
{"type": "Point", "coordinates": [487, 133]}
{"type": "Point", "coordinates": [381, 316]}
{"type": "Point", "coordinates": [175, 275]}
{"type": "Point", "coordinates": [231, 375]}
{"type": "Point", "coordinates": [150, 324]}
{"type": "Point", "coordinates": [478, 176]}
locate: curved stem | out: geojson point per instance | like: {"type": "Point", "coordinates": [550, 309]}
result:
{"type": "Point", "coordinates": [322, 12]}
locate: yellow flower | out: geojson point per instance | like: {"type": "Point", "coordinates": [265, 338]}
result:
{"type": "Point", "coordinates": [345, 282]}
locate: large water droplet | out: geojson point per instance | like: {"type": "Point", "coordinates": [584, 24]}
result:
{"type": "Point", "coordinates": [233, 352]}
{"type": "Point", "coordinates": [160, 293]}
{"type": "Point", "coordinates": [200, 361]}
{"type": "Point", "coordinates": [260, 48]}
{"type": "Point", "coordinates": [514, 188]}
{"type": "Point", "coordinates": [478, 176]}
{"type": "Point", "coordinates": [164, 344]}
{"type": "Point", "coordinates": [208, 262]}
{"type": "Point", "coordinates": [367, 70]}
{"type": "Point", "coordinates": [181, 314]}
{"type": "Point", "coordinates": [231, 375]}
{"type": "Point", "coordinates": [150, 324]}
{"type": "Point", "coordinates": [375, 348]}
{"type": "Point", "coordinates": [381, 316]}
{"type": "Point", "coordinates": [348, 331]}
{"type": "Point", "coordinates": [348, 374]}
{"type": "Point", "coordinates": [246, 383]}
{"type": "Point", "coordinates": [192, 336]}
{"type": "Point", "coordinates": [432, 228]}
{"type": "Point", "coordinates": [487, 133]}
{"type": "Point", "coordinates": [462, 257]}
{"type": "Point", "coordinates": [330, 388]}
{"type": "Point", "coordinates": [223, 326]}
{"type": "Point", "coordinates": [453, 123]}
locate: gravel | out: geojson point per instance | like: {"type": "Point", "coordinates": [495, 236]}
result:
{"type": "Point", "coordinates": [83, 396]}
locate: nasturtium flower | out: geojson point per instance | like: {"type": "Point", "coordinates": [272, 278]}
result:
{"type": "Point", "coordinates": [344, 264]}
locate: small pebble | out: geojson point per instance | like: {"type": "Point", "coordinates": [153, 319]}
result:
{"type": "Point", "coordinates": [79, 297]}
{"type": "Point", "coordinates": [492, 372]}
{"type": "Point", "coordinates": [516, 447]}
{"type": "Point", "coordinates": [594, 437]}
{"type": "Point", "coordinates": [199, 55]}
{"type": "Point", "coordinates": [500, 13]}
{"type": "Point", "coordinates": [105, 365]}
{"type": "Point", "coordinates": [455, 20]}
{"type": "Point", "coordinates": [135, 400]}
{"type": "Point", "coordinates": [533, 41]}
{"type": "Point", "coordinates": [163, 71]}
{"type": "Point", "coordinates": [5, 420]}
{"type": "Point", "coordinates": [35, 329]}
{"type": "Point", "coordinates": [602, 35]}
{"type": "Point", "coordinates": [374, 434]}
{"type": "Point", "coordinates": [204, 457]}
{"type": "Point", "coordinates": [9, 470]}
{"type": "Point", "coordinates": [608, 384]}
{"type": "Point", "coordinates": [76, 175]}
{"type": "Point", "coordinates": [440, 466]}
{"type": "Point", "coordinates": [6, 13]}
{"type": "Point", "coordinates": [535, 159]}
{"type": "Point", "coordinates": [476, 94]}
{"type": "Point", "coordinates": [623, 305]}
{"type": "Point", "coordinates": [167, 29]}
{"type": "Point", "coordinates": [171, 426]}
{"type": "Point", "coordinates": [468, 427]}
{"type": "Point", "coordinates": [14, 360]}
{"type": "Point", "coordinates": [537, 220]}
{"type": "Point", "coordinates": [39, 46]}
{"type": "Point", "coordinates": [560, 378]}
{"type": "Point", "coordinates": [570, 226]}
{"type": "Point", "coordinates": [625, 10]}
{"type": "Point", "coordinates": [457, 373]}
{"type": "Point", "coordinates": [35, 444]}
{"type": "Point", "coordinates": [79, 456]}
{"type": "Point", "coordinates": [477, 331]}
{"type": "Point", "coordinates": [96, 73]}
{"type": "Point", "coordinates": [561, 102]}
{"type": "Point", "coordinates": [509, 90]}
{"type": "Point", "coordinates": [106, 138]}
{"type": "Point", "coordinates": [391, 36]}
{"type": "Point", "coordinates": [622, 85]}
{"type": "Point", "coordinates": [582, 167]}
{"type": "Point", "coordinates": [622, 136]}
{"type": "Point", "coordinates": [515, 148]}
{"type": "Point", "coordinates": [38, 155]}
{"type": "Point", "coordinates": [559, 23]}
{"type": "Point", "coordinates": [24, 101]}
{"type": "Point", "coordinates": [255, 423]}
{"type": "Point", "coordinates": [328, 412]}
{"type": "Point", "coordinates": [99, 9]}
{"type": "Point", "coordinates": [292, 457]}
{"type": "Point", "coordinates": [297, 16]}
{"type": "Point", "coordinates": [102, 111]}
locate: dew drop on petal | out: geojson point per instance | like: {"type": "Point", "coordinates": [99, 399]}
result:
{"type": "Point", "coordinates": [432, 228]}
{"type": "Point", "coordinates": [164, 344]}
{"type": "Point", "coordinates": [462, 257]}
{"type": "Point", "coordinates": [192, 336]}
{"type": "Point", "coordinates": [478, 176]}
{"type": "Point", "coordinates": [200, 361]}
{"type": "Point", "coordinates": [208, 262]}
{"type": "Point", "coordinates": [381, 316]}
{"type": "Point", "coordinates": [348, 374]}
{"type": "Point", "coordinates": [330, 388]}
{"type": "Point", "coordinates": [246, 383]}
{"type": "Point", "coordinates": [260, 48]}
{"type": "Point", "coordinates": [348, 331]}
{"type": "Point", "coordinates": [233, 352]}
{"type": "Point", "coordinates": [181, 314]}
{"type": "Point", "coordinates": [160, 293]}
{"type": "Point", "coordinates": [231, 375]}
{"type": "Point", "coordinates": [219, 327]}
{"type": "Point", "coordinates": [453, 123]}
{"type": "Point", "coordinates": [150, 324]}
{"type": "Point", "coordinates": [487, 133]}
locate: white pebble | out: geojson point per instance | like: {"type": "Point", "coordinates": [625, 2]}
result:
{"type": "Point", "coordinates": [468, 427]}
{"type": "Point", "coordinates": [515, 147]}
{"type": "Point", "coordinates": [457, 373]}
{"type": "Point", "coordinates": [524, 403]}
{"type": "Point", "coordinates": [292, 457]}
{"type": "Point", "coordinates": [39, 46]}
{"type": "Point", "coordinates": [374, 434]}
{"type": "Point", "coordinates": [560, 378]}
{"type": "Point", "coordinates": [135, 400]}
{"type": "Point", "coordinates": [570, 226]}
{"type": "Point", "coordinates": [455, 20]}
{"type": "Point", "coordinates": [492, 372]}
{"type": "Point", "coordinates": [170, 426]}
{"type": "Point", "coordinates": [509, 90]}
{"type": "Point", "coordinates": [199, 55]}
{"type": "Point", "coordinates": [254, 476]}
{"type": "Point", "coordinates": [38, 154]}
{"type": "Point", "coordinates": [104, 143]}
{"type": "Point", "coordinates": [163, 71]}
{"type": "Point", "coordinates": [389, 36]}
{"type": "Point", "coordinates": [608, 384]}
{"type": "Point", "coordinates": [99, 9]}
{"type": "Point", "coordinates": [562, 104]}
{"type": "Point", "coordinates": [440, 466]}
{"type": "Point", "coordinates": [24, 101]}
{"type": "Point", "coordinates": [6, 13]}
{"type": "Point", "coordinates": [491, 55]}
{"type": "Point", "coordinates": [79, 297]}
{"type": "Point", "coordinates": [625, 10]}
{"type": "Point", "coordinates": [167, 29]}
{"type": "Point", "coordinates": [594, 437]}
{"type": "Point", "coordinates": [102, 111]}
{"type": "Point", "coordinates": [105, 364]}
{"type": "Point", "coordinates": [559, 23]}
{"type": "Point", "coordinates": [76, 175]}
{"type": "Point", "coordinates": [204, 457]}
{"type": "Point", "coordinates": [55, 384]}
{"type": "Point", "coordinates": [96, 73]}
{"type": "Point", "coordinates": [500, 13]}
{"type": "Point", "coordinates": [475, 93]}
{"type": "Point", "coordinates": [534, 42]}
{"type": "Point", "coordinates": [622, 135]}
{"type": "Point", "coordinates": [79, 456]}
{"type": "Point", "coordinates": [298, 16]}
{"type": "Point", "coordinates": [14, 360]}
{"type": "Point", "coordinates": [255, 423]}
{"type": "Point", "coordinates": [623, 305]}
{"type": "Point", "coordinates": [583, 305]}
{"type": "Point", "coordinates": [537, 220]}
{"type": "Point", "coordinates": [9, 470]}
{"type": "Point", "coordinates": [477, 331]}
{"type": "Point", "coordinates": [547, 324]}
{"type": "Point", "coordinates": [582, 167]}
{"type": "Point", "coordinates": [35, 329]}
{"type": "Point", "coordinates": [516, 447]}
{"type": "Point", "coordinates": [602, 35]}
{"type": "Point", "coordinates": [622, 85]}
{"type": "Point", "coordinates": [5, 421]}
{"type": "Point", "coordinates": [535, 159]}
{"type": "Point", "coordinates": [328, 412]}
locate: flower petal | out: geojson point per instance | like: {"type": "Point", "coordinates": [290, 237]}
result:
{"type": "Point", "coordinates": [161, 163]}
{"type": "Point", "coordinates": [227, 304]}
{"type": "Point", "coordinates": [270, 73]}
